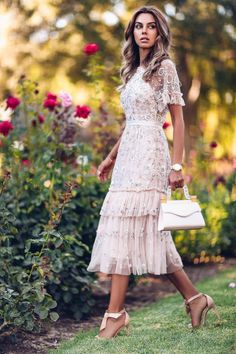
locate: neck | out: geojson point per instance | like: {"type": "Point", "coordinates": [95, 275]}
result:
{"type": "Point", "coordinates": [143, 52]}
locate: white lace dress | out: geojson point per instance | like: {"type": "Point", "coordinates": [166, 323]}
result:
{"type": "Point", "coordinates": [127, 240]}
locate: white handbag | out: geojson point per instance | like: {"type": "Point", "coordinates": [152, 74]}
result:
{"type": "Point", "coordinates": [180, 214]}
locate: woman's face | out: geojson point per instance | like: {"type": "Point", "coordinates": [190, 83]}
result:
{"type": "Point", "coordinates": [145, 30]}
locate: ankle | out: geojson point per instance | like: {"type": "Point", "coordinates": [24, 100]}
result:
{"type": "Point", "coordinates": [191, 295]}
{"type": "Point", "coordinates": [115, 309]}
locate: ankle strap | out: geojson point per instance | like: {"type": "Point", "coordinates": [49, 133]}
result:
{"type": "Point", "coordinates": [192, 298]}
{"type": "Point", "coordinates": [114, 314]}
{"type": "Point", "coordinates": [110, 314]}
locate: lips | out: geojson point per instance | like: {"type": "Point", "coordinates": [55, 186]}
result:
{"type": "Point", "coordinates": [144, 39]}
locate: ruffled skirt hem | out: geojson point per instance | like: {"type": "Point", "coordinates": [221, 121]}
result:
{"type": "Point", "coordinates": [125, 245]}
{"type": "Point", "coordinates": [112, 269]}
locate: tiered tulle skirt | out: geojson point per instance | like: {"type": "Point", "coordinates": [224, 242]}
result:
{"type": "Point", "coordinates": [127, 239]}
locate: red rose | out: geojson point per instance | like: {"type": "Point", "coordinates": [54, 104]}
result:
{"type": "Point", "coordinates": [82, 111]}
{"type": "Point", "coordinates": [50, 103]}
{"type": "Point", "coordinates": [5, 127]}
{"type": "Point", "coordinates": [213, 144]}
{"type": "Point", "coordinates": [41, 118]}
{"type": "Point", "coordinates": [165, 125]}
{"type": "Point", "coordinates": [34, 123]}
{"type": "Point", "coordinates": [51, 96]}
{"type": "Point", "coordinates": [12, 102]}
{"type": "Point", "coordinates": [25, 162]}
{"type": "Point", "coordinates": [91, 48]}
{"type": "Point", "coordinates": [218, 180]}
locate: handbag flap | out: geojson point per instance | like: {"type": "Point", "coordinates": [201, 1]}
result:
{"type": "Point", "coordinates": [180, 207]}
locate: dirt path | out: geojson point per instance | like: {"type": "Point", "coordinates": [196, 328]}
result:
{"type": "Point", "coordinates": [149, 289]}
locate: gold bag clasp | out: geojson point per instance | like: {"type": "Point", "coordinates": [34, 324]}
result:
{"type": "Point", "coordinates": [193, 198]}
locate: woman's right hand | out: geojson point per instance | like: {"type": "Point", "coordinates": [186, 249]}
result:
{"type": "Point", "coordinates": [104, 169]}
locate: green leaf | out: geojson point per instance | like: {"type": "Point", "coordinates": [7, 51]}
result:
{"type": "Point", "coordinates": [41, 271]}
{"type": "Point", "coordinates": [43, 314]}
{"type": "Point", "coordinates": [58, 242]}
{"type": "Point", "coordinates": [54, 316]}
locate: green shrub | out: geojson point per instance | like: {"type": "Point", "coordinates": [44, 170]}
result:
{"type": "Point", "coordinates": [45, 253]}
{"type": "Point", "coordinates": [229, 224]}
{"type": "Point", "coordinates": [23, 297]}
{"type": "Point", "coordinates": [214, 193]}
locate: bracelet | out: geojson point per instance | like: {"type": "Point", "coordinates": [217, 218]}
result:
{"type": "Point", "coordinates": [111, 158]}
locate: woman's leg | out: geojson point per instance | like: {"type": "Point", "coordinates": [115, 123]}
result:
{"type": "Point", "coordinates": [183, 284]}
{"type": "Point", "coordinates": [186, 288]}
{"type": "Point", "coordinates": [119, 285]}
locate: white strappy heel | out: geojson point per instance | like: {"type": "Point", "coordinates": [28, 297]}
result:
{"type": "Point", "coordinates": [115, 315]}
{"type": "Point", "coordinates": [210, 305]}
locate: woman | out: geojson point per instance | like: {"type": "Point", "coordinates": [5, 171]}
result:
{"type": "Point", "coordinates": [127, 239]}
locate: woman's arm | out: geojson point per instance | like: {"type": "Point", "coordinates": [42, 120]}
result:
{"type": "Point", "coordinates": [176, 179]}
{"type": "Point", "coordinates": [104, 168]}
{"type": "Point", "coordinates": [176, 112]}
{"type": "Point", "coordinates": [113, 153]}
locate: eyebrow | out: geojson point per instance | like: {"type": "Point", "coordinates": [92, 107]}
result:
{"type": "Point", "coordinates": [147, 23]}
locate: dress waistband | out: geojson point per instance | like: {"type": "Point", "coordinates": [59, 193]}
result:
{"type": "Point", "coordinates": [143, 122]}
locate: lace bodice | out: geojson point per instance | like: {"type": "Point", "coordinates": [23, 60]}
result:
{"type": "Point", "coordinates": [143, 162]}
{"type": "Point", "coordinates": [149, 100]}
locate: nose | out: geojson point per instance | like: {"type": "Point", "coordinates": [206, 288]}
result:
{"type": "Point", "coordinates": [144, 30]}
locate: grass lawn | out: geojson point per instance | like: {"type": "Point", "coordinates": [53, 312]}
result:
{"type": "Point", "coordinates": [162, 327]}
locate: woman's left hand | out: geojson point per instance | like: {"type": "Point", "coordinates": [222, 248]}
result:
{"type": "Point", "coordinates": [175, 179]}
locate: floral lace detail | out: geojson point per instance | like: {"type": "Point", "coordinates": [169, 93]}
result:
{"type": "Point", "coordinates": [131, 203]}
{"type": "Point", "coordinates": [143, 160]}
{"type": "Point", "coordinates": [138, 100]}
{"type": "Point", "coordinates": [166, 85]}
{"type": "Point", "coordinates": [127, 239]}
{"type": "Point", "coordinates": [149, 100]}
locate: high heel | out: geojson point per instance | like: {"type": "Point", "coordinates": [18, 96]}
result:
{"type": "Point", "coordinates": [210, 305]}
{"type": "Point", "coordinates": [115, 315]}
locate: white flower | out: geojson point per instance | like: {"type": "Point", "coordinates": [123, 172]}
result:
{"type": "Point", "coordinates": [18, 145]}
{"type": "Point", "coordinates": [82, 160]}
{"type": "Point", "coordinates": [47, 183]}
{"type": "Point", "coordinates": [232, 285]}
{"type": "Point", "coordinates": [5, 114]}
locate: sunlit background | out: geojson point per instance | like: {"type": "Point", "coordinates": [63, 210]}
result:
{"type": "Point", "coordinates": [44, 40]}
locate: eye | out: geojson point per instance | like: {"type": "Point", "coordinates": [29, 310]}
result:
{"type": "Point", "coordinates": [138, 25]}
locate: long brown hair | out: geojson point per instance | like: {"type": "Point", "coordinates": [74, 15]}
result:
{"type": "Point", "coordinates": [158, 52]}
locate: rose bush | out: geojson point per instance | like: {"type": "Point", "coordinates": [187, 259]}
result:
{"type": "Point", "coordinates": [43, 253]}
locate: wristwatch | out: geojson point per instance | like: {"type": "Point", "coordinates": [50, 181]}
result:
{"type": "Point", "coordinates": [176, 167]}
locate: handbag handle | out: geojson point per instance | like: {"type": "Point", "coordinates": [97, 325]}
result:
{"type": "Point", "coordinates": [185, 189]}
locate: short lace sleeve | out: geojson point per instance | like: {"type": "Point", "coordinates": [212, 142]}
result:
{"type": "Point", "coordinates": [166, 85]}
